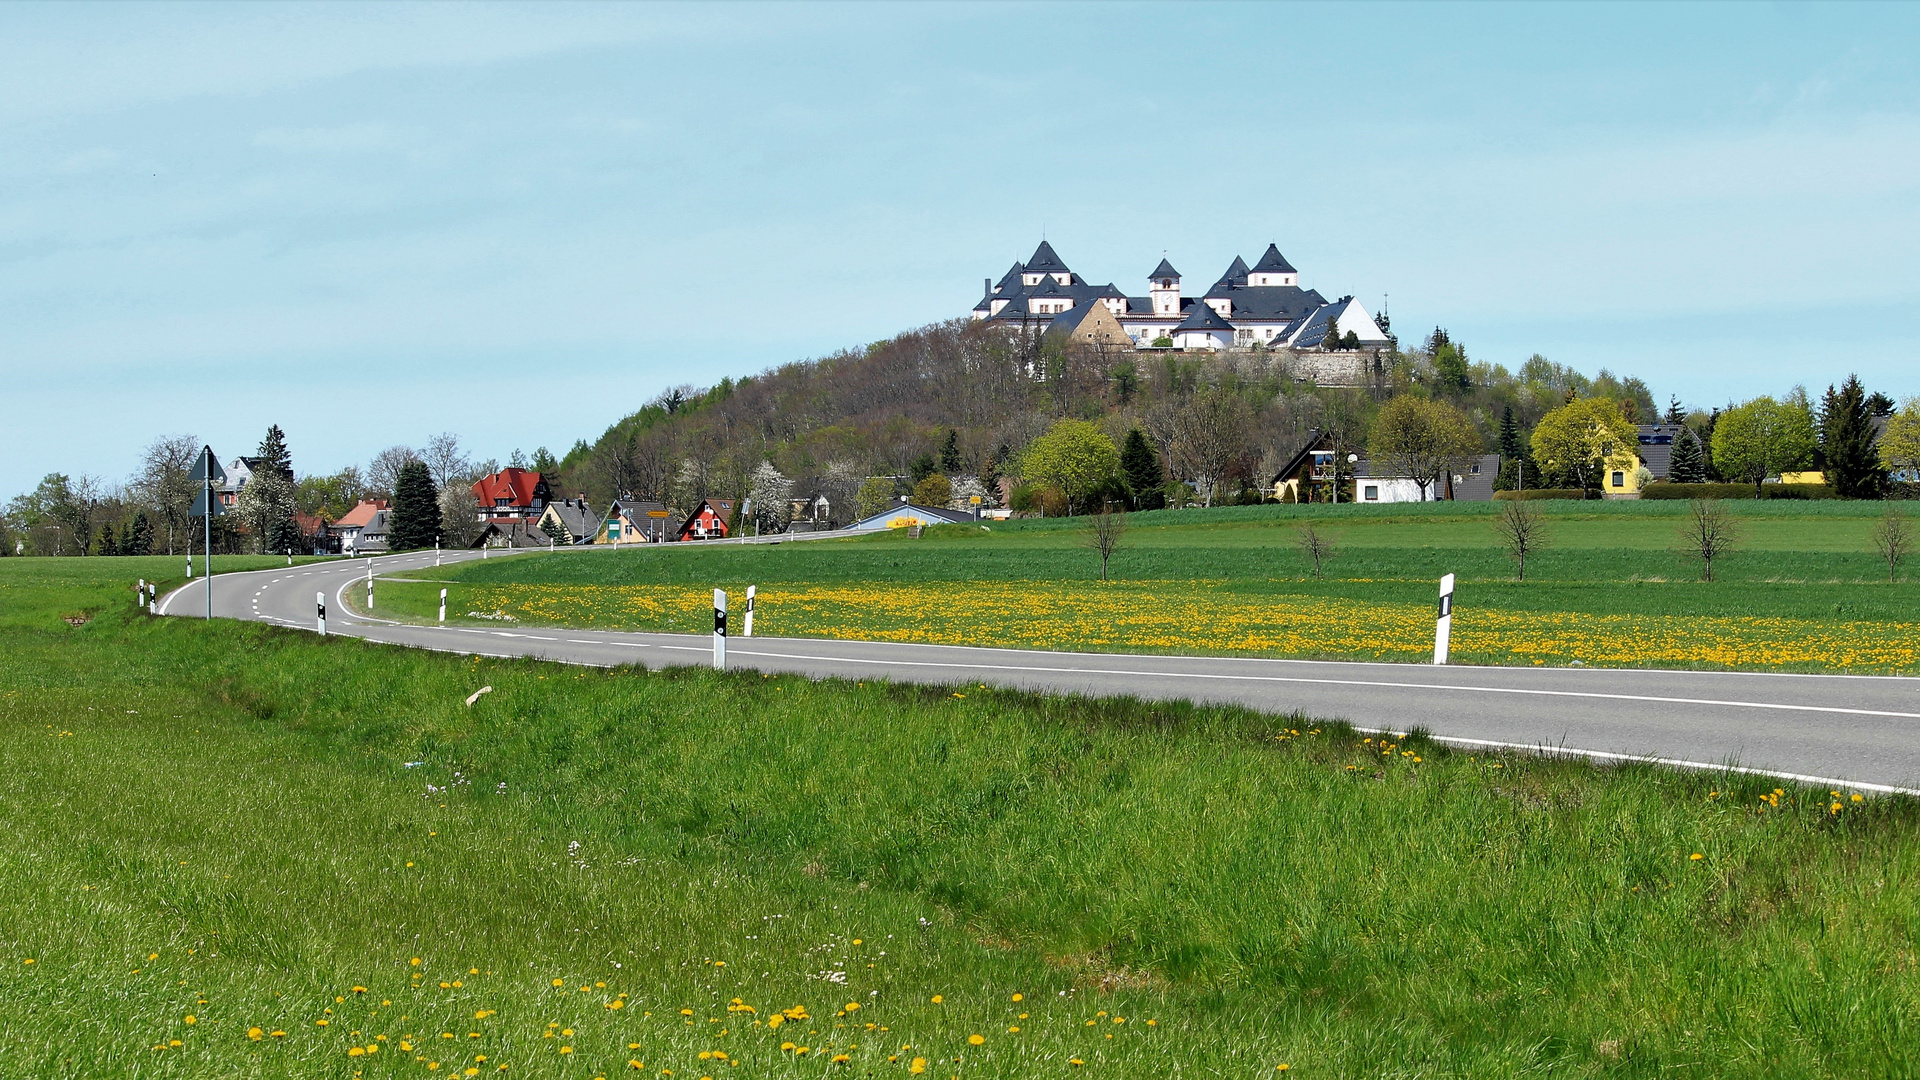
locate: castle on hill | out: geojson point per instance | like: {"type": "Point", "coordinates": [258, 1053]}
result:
{"type": "Point", "coordinates": [1262, 305]}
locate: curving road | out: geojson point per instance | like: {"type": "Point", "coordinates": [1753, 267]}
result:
{"type": "Point", "coordinates": [1854, 730]}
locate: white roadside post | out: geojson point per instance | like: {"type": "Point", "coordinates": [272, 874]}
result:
{"type": "Point", "coordinates": [140, 597]}
{"type": "Point", "coordinates": [1443, 630]}
{"type": "Point", "coordinates": [153, 598]}
{"type": "Point", "coordinates": [719, 630]}
{"type": "Point", "coordinates": [746, 621]}
{"type": "Point", "coordinates": [369, 584]}
{"type": "Point", "coordinates": [436, 551]}
{"type": "Point", "coordinates": [443, 605]}
{"type": "Point", "coordinates": [320, 602]}
{"type": "Point", "coordinates": [189, 566]}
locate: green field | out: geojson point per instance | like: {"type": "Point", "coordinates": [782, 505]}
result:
{"type": "Point", "coordinates": [220, 822]}
{"type": "Point", "coordinates": [1805, 591]}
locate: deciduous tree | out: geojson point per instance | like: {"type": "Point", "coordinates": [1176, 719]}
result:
{"type": "Point", "coordinates": [1762, 438]}
{"type": "Point", "coordinates": [1421, 440]}
{"type": "Point", "coordinates": [1893, 538]}
{"type": "Point", "coordinates": [1583, 438]}
{"type": "Point", "coordinates": [1074, 456]}
{"type": "Point", "coordinates": [1707, 532]}
{"type": "Point", "coordinates": [1104, 530]}
{"type": "Point", "coordinates": [1522, 530]}
{"type": "Point", "coordinates": [1900, 443]}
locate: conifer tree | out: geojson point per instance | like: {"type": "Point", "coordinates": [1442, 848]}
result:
{"type": "Point", "coordinates": [1847, 438]}
{"type": "Point", "coordinates": [416, 509]}
{"type": "Point", "coordinates": [1509, 434]}
{"type": "Point", "coordinates": [950, 462]}
{"type": "Point", "coordinates": [139, 537]}
{"type": "Point", "coordinates": [1675, 414]}
{"type": "Point", "coordinates": [1140, 472]}
{"type": "Point", "coordinates": [1687, 465]}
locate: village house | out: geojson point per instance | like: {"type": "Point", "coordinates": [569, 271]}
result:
{"type": "Point", "coordinates": [707, 520]}
{"type": "Point", "coordinates": [1260, 305]}
{"type": "Point", "coordinates": [907, 515]}
{"type": "Point", "coordinates": [512, 494]}
{"type": "Point", "coordinates": [569, 521]}
{"type": "Point", "coordinates": [633, 521]}
{"type": "Point", "coordinates": [354, 521]}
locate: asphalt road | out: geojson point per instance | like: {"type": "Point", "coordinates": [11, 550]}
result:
{"type": "Point", "coordinates": [1859, 731]}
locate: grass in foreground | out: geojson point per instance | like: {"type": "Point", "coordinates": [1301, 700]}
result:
{"type": "Point", "coordinates": [1805, 594]}
{"type": "Point", "coordinates": [216, 837]}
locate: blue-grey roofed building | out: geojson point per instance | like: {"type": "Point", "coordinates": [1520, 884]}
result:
{"type": "Point", "coordinates": [1259, 306]}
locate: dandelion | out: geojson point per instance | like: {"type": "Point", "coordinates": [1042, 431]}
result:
{"type": "Point", "coordinates": [566, 1049]}
{"type": "Point", "coordinates": [191, 1020]}
{"type": "Point", "coordinates": [938, 998]}
{"type": "Point", "coordinates": [255, 1034]}
{"type": "Point", "coordinates": [1695, 857]}
{"type": "Point", "coordinates": [559, 982]}
{"type": "Point", "coordinates": [278, 1034]}
{"type": "Point", "coordinates": [917, 1066]}
{"type": "Point", "coordinates": [1019, 997]}
{"type": "Point", "coordinates": [976, 1040]}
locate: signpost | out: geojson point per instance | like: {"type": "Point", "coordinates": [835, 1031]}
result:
{"type": "Point", "coordinates": [208, 474]}
{"type": "Point", "coordinates": [654, 525]}
{"type": "Point", "coordinates": [1443, 630]}
{"type": "Point", "coordinates": [719, 630]}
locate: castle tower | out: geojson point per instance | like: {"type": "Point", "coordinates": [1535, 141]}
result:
{"type": "Point", "coordinates": [1165, 283]}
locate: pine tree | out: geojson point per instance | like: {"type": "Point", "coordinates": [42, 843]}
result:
{"type": "Point", "coordinates": [416, 509]}
{"type": "Point", "coordinates": [1509, 434]}
{"type": "Point", "coordinates": [1846, 436]}
{"type": "Point", "coordinates": [139, 537]}
{"type": "Point", "coordinates": [1675, 414]}
{"type": "Point", "coordinates": [1140, 472]}
{"type": "Point", "coordinates": [104, 544]}
{"type": "Point", "coordinates": [1687, 465]}
{"type": "Point", "coordinates": [274, 455]}
{"type": "Point", "coordinates": [950, 462]}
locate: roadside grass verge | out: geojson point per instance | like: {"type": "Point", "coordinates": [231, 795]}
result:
{"type": "Point", "coordinates": [220, 821]}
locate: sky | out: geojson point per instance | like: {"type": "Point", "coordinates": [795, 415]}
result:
{"type": "Point", "coordinates": [374, 223]}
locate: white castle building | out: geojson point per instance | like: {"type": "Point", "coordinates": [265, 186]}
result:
{"type": "Point", "coordinates": [1263, 304]}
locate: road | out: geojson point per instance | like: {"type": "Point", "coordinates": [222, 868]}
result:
{"type": "Point", "coordinates": [1854, 730]}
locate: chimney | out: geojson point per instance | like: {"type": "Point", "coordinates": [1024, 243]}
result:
{"type": "Point", "coordinates": [986, 285]}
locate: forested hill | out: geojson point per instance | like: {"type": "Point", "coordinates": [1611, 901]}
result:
{"type": "Point", "coordinates": [964, 398]}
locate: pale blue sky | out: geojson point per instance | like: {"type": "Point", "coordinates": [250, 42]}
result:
{"type": "Point", "coordinates": [374, 223]}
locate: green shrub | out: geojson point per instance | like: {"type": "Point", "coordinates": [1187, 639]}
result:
{"type": "Point", "coordinates": [1737, 491]}
{"type": "Point", "coordinates": [1543, 493]}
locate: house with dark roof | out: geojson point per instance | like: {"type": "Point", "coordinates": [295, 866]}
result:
{"type": "Point", "coordinates": [354, 521]}
{"type": "Point", "coordinates": [1262, 305]}
{"type": "Point", "coordinates": [569, 521]}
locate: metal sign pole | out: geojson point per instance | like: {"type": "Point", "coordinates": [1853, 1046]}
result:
{"type": "Point", "coordinates": [209, 574]}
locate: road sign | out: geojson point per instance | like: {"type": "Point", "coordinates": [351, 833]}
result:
{"type": "Point", "coordinates": [656, 513]}
{"type": "Point", "coordinates": [974, 500]}
{"type": "Point", "coordinates": [207, 503]}
{"type": "Point", "coordinates": [207, 468]}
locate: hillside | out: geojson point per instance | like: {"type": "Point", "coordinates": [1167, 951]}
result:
{"type": "Point", "coordinates": [964, 398]}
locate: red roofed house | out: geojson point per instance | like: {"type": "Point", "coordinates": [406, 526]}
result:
{"type": "Point", "coordinates": [348, 528]}
{"type": "Point", "coordinates": [708, 520]}
{"type": "Point", "coordinates": [511, 495]}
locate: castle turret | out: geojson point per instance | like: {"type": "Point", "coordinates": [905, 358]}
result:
{"type": "Point", "coordinates": [1165, 283]}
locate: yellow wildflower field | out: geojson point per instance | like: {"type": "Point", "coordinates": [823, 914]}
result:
{"type": "Point", "coordinates": [1208, 617]}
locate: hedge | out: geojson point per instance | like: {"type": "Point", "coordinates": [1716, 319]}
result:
{"type": "Point", "coordinates": [1542, 493]}
{"type": "Point", "coordinates": [1737, 491]}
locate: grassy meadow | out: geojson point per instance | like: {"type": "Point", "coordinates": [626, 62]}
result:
{"type": "Point", "coordinates": [1804, 591]}
{"type": "Point", "coordinates": [238, 850]}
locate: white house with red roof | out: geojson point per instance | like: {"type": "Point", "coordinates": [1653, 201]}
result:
{"type": "Point", "coordinates": [512, 495]}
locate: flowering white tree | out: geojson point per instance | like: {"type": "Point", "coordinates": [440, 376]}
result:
{"type": "Point", "coordinates": [964, 489]}
{"type": "Point", "coordinates": [772, 495]}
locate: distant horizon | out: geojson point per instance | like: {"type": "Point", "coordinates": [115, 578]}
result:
{"type": "Point", "coordinates": [373, 224]}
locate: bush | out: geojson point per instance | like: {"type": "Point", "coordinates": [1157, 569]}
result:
{"type": "Point", "coordinates": [1737, 491]}
{"type": "Point", "coordinates": [1543, 493]}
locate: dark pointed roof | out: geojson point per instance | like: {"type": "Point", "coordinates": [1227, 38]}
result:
{"type": "Point", "coordinates": [1201, 316]}
{"type": "Point", "coordinates": [1237, 273]}
{"type": "Point", "coordinates": [1011, 278]}
{"type": "Point", "coordinates": [1044, 261]}
{"type": "Point", "coordinates": [1273, 262]}
{"type": "Point", "coordinates": [1164, 270]}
